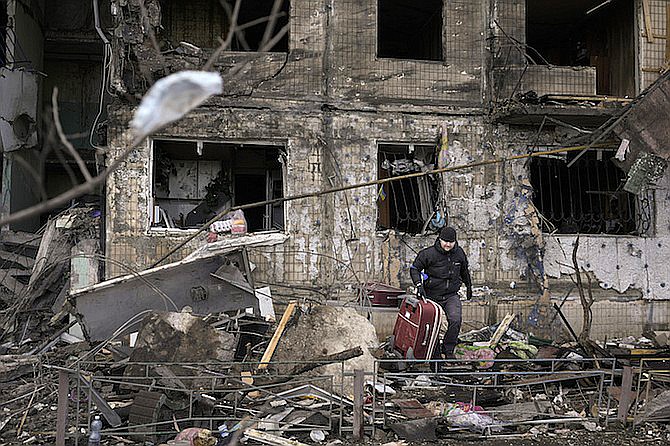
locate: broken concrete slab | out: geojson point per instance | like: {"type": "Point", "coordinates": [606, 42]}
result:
{"type": "Point", "coordinates": [106, 307]}
{"type": "Point", "coordinates": [645, 122]}
{"type": "Point", "coordinates": [522, 411]}
{"type": "Point", "coordinates": [181, 337]}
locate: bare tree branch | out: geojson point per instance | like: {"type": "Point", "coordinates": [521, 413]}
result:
{"type": "Point", "coordinates": [269, 29]}
{"type": "Point", "coordinates": [63, 139]}
{"type": "Point", "coordinates": [229, 37]}
{"type": "Point", "coordinates": [70, 194]}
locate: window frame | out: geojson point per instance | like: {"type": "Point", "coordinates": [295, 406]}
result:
{"type": "Point", "coordinates": [280, 145]}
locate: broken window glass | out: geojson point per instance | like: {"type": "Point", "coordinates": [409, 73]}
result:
{"type": "Point", "coordinates": [203, 22]}
{"type": "Point", "coordinates": [588, 197]}
{"type": "Point", "coordinates": [405, 205]}
{"type": "Point", "coordinates": [409, 30]}
{"type": "Point", "coordinates": [194, 180]}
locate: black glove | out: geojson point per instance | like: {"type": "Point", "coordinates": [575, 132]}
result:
{"type": "Point", "coordinates": [468, 293]}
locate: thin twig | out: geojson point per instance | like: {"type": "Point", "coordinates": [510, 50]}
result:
{"type": "Point", "coordinates": [25, 414]}
{"type": "Point", "coordinates": [63, 139]}
{"type": "Point", "coordinates": [270, 27]}
{"type": "Point", "coordinates": [229, 38]}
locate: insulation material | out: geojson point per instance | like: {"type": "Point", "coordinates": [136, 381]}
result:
{"type": "Point", "coordinates": [646, 171]}
{"type": "Point", "coordinates": [18, 109]}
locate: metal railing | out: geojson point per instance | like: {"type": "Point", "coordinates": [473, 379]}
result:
{"type": "Point", "coordinates": [584, 389]}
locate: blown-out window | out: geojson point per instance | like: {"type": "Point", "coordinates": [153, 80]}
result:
{"type": "Point", "coordinates": [205, 22]}
{"type": "Point", "coordinates": [195, 180]}
{"type": "Point", "coordinates": [586, 195]}
{"type": "Point", "coordinates": [409, 29]}
{"type": "Point", "coordinates": [406, 204]}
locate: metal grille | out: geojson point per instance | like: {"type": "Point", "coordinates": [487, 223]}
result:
{"type": "Point", "coordinates": [587, 197]}
{"type": "Point", "coordinates": [405, 205]}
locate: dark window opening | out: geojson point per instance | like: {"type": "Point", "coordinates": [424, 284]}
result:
{"type": "Point", "coordinates": [405, 205]}
{"type": "Point", "coordinates": [409, 30]}
{"type": "Point", "coordinates": [3, 32]}
{"type": "Point", "coordinates": [579, 33]}
{"type": "Point", "coordinates": [586, 197]}
{"type": "Point", "coordinates": [204, 22]}
{"type": "Point", "coordinates": [193, 181]}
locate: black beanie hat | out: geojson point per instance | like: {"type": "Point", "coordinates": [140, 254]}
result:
{"type": "Point", "coordinates": [448, 234]}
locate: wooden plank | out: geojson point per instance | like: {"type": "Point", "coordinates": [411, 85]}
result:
{"type": "Point", "coordinates": [646, 10]}
{"type": "Point", "coordinates": [42, 252]}
{"type": "Point", "coordinates": [61, 417]}
{"type": "Point", "coordinates": [626, 394]}
{"type": "Point", "coordinates": [265, 360]}
{"type": "Point", "coordinates": [273, 440]}
{"type": "Point", "coordinates": [359, 383]}
{"type": "Point", "coordinates": [501, 330]}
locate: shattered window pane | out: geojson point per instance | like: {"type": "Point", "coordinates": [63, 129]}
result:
{"type": "Point", "coordinates": [586, 198]}
{"type": "Point", "coordinates": [193, 181]}
{"type": "Point", "coordinates": [405, 205]}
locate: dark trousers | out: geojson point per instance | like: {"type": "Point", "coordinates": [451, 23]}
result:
{"type": "Point", "coordinates": [454, 311]}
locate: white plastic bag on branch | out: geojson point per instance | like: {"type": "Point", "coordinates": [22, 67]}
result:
{"type": "Point", "coordinates": [171, 98]}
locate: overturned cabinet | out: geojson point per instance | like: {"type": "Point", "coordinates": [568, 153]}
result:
{"type": "Point", "coordinates": [207, 285]}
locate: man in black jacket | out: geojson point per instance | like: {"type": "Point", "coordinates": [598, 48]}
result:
{"type": "Point", "coordinates": [437, 273]}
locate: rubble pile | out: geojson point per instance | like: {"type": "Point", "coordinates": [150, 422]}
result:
{"type": "Point", "coordinates": [192, 353]}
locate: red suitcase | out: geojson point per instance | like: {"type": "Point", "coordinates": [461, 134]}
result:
{"type": "Point", "coordinates": [417, 327]}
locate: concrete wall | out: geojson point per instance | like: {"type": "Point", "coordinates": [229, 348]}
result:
{"type": "Point", "coordinates": [330, 102]}
{"type": "Point", "coordinates": [612, 318]}
{"type": "Point", "coordinates": [26, 18]}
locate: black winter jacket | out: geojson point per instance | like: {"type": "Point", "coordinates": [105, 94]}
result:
{"type": "Point", "coordinates": [446, 270]}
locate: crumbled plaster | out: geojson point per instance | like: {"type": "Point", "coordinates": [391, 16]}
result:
{"type": "Point", "coordinates": [18, 109]}
{"type": "Point", "coordinates": [618, 263]}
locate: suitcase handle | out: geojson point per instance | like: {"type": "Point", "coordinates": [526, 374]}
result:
{"type": "Point", "coordinates": [425, 339]}
{"type": "Point", "coordinates": [412, 301]}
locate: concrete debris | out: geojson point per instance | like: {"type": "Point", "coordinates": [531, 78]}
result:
{"type": "Point", "coordinates": [657, 409]}
{"type": "Point", "coordinates": [322, 330]}
{"type": "Point", "coordinates": [181, 337]}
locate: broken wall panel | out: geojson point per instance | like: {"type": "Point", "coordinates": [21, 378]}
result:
{"type": "Point", "coordinates": [645, 125]}
{"type": "Point", "coordinates": [111, 308]}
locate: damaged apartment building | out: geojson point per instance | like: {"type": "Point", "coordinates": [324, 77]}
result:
{"type": "Point", "coordinates": [324, 94]}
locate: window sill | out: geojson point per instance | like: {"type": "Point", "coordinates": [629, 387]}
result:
{"type": "Point", "coordinates": [228, 242]}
